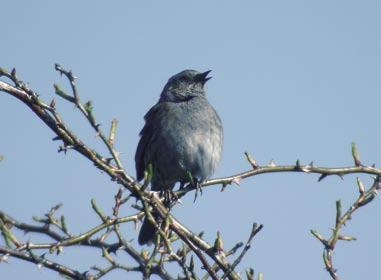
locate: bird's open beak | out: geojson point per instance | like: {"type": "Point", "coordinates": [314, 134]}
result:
{"type": "Point", "coordinates": [203, 77]}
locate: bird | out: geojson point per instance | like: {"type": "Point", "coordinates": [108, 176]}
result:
{"type": "Point", "coordinates": [181, 140]}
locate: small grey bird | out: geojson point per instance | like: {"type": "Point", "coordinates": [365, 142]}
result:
{"type": "Point", "coordinates": [182, 135]}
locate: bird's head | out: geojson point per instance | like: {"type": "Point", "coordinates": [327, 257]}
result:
{"type": "Point", "coordinates": [185, 85]}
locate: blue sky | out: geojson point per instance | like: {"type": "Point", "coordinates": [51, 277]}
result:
{"type": "Point", "coordinates": [291, 80]}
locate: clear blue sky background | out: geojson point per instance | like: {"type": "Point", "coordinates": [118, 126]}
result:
{"type": "Point", "coordinates": [291, 80]}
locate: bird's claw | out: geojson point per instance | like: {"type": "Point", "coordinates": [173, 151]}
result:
{"type": "Point", "coordinates": [170, 197]}
{"type": "Point", "coordinates": [197, 185]}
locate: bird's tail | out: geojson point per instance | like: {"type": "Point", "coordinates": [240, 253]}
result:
{"type": "Point", "coordinates": [147, 233]}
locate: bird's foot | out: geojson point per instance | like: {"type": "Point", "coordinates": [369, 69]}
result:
{"type": "Point", "coordinates": [170, 197]}
{"type": "Point", "coordinates": [197, 185]}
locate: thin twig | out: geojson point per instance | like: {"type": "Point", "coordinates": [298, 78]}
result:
{"type": "Point", "coordinates": [44, 262]}
{"type": "Point", "coordinates": [322, 171]}
{"type": "Point", "coordinates": [88, 113]}
{"type": "Point", "coordinates": [254, 230]}
{"type": "Point", "coordinates": [204, 262]}
{"type": "Point", "coordinates": [364, 198]}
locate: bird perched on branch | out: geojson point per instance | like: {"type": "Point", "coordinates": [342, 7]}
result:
{"type": "Point", "coordinates": [181, 139]}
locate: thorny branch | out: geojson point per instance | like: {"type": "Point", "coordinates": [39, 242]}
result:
{"type": "Point", "coordinates": [255, 229]}
{"type": "Point", "coordinates": [147, 264]}
{"type": "Point", "coordinates": [365, 197]}
{"type": "Point", "coordinates": [30, 257]}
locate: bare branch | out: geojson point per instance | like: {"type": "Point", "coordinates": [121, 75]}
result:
{"type": "Point", "coordinates": [43, 262]}
{"type": "Point", "coordinates": [255, 229]}
{"type": "Point", "coordinates": [341, 219]}
{"type": "Point", "coordinates": [322, 171]}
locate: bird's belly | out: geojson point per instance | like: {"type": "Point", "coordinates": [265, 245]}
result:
{"type": "Point", "coordinates": [196, 153]}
